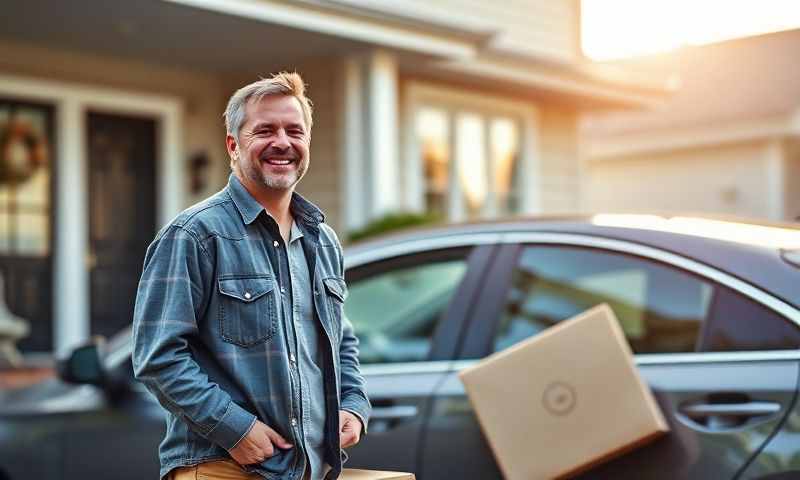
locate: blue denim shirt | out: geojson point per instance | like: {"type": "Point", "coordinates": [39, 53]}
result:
{"type": "Point", "coordinates": [298, 313]}
{"type": "Point", "coordinates": [207, 336]}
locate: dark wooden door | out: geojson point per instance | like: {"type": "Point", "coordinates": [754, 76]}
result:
{"type": "Point", "coordinates": [122, 205]}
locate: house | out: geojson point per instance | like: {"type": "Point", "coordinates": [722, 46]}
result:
{"type": "Point", "coordinates": [111, 112]}
{"type": "Point", "coordinates": [727, 141]}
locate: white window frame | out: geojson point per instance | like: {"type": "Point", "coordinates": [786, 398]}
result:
{"type": "Point", "coordinates": [453, 101]}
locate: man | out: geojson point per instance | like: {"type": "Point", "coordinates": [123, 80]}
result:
{"type": "Point", "coordinates": [238, 327]}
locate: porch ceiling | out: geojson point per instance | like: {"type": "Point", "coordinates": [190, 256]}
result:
{"type": "Point", "coordinates": [165, 33]}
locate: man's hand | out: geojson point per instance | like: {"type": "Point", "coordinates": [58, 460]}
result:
{"type": "Point", "coordinates": [349, 429]}
{"type": "Point", "coordinates": [258, 445]}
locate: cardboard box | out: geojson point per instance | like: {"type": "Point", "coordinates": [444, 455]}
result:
{"type": "Point", "coordinates": [564, 400]}
{"type": "Point", "coordinates": [352, 474]}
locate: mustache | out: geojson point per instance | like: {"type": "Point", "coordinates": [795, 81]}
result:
{"type": "Point", "coordinates": [273, 154]}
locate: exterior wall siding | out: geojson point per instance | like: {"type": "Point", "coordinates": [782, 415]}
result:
{"type": "Point", "coordinates": [560, 170]}
{"type": "Point", "coordinates": [723, 179]}
{"type": "Point", "coordinates": [792, 179]}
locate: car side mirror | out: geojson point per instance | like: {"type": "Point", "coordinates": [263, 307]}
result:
{"type": "Point", "coordinates": [83, 366]}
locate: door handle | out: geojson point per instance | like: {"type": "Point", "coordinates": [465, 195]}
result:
{"type": "Point", "coordinates": [384, 419]}
{"type": "Point", "coordinates": [725, 415]}
{"type": "Point", "coordinates": [749, 409]}
{"type": "Point", "coordinates": [397, 412]}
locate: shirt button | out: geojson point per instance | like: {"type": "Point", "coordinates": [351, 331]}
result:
{"type": "Point", "coordinates": [294, 422]}
{"type": "Point", "coordinates": [275, 243]}
{"type": "Point", "coordinates": [291, 357]}
{"type": "Point", "coordinates": [247, 295]}
{"type": "Point", "coordinates": [316, 292]}
{"type": "Point", "coordinates": [283, 290]}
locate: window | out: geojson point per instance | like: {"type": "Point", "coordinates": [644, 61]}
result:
{"type": "Point", "coordinates": [25, 167]}
{"type": "Point", "coordinates": [739, 323]}
{"type": "Point", "coordinates": [660, 309]}
{"type": "Point", "coordinates": [470, 162]}
{"type": "Point", "coordinates": [395, 305]}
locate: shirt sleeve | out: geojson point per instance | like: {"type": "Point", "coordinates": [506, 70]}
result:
{"type": "Point", "coordinates": [353, 390]}
{"type": "Point", "coordinates": [173, 293]}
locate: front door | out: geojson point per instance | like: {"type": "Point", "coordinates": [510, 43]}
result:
{"type": "Point", "coordinates": [121, 214]}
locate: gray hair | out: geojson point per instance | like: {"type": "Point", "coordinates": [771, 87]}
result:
{"type": "Point", "coordinates": [283, 83]}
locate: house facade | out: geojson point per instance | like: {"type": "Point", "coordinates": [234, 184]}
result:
{"type": "Point", "coordinates": [726, 141]}
{"type": "Point", "coordinates": [111, 121]}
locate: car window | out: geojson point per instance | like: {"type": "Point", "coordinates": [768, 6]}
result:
{"type": "Point", "coordinates": [739, 323]}
{"type": "Point", "coordinates": [660, 308]}
{"type": "Point", "coordinates": [395, 305]}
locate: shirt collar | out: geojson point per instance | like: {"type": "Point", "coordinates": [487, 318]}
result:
{"type": "Point", "coordinates": [296, 233]}
{"type": "Point", "coordinates": [249, 208]}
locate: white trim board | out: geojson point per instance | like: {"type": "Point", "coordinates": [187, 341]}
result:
{"type": "Point", "coordinates": [71, 103]}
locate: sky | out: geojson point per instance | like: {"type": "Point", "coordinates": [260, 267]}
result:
{"type": "Point", "coordinates": [613, 29]}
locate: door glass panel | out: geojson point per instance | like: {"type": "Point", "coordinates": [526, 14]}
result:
{"type": "Point", "coordinates": [396, 305]}
{"type": "Point", "coordinates": [740, 323]}
{"type": "Point", "coordinates": [505, 158]}
{"type": "Point", "coordinates": [26, 136]}
{"type": "Point", "coordinates": [33, 233]}
{"type": "Point", "coordinates": [433, 136]}
{"type": "Point", "coordinates": [5, 233]}
{"type": "Point", "coordinates": [660, 308]}
{"type": "Point", "coordinates": [473, 168]}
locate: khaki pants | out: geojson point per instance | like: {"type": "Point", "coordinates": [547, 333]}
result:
{"type": "Point", "coordinates": [216, 470]}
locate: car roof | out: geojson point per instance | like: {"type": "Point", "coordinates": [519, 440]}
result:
{"type": "Point", "coordinates": [745, 248]}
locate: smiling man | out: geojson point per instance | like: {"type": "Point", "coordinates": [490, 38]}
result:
{"type": "Point", "coordinates": [238, 328]}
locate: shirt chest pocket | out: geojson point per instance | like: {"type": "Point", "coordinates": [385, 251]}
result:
{"type": "Point", "coordinates": [247, 310]}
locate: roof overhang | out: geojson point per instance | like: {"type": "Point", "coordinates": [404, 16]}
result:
{"type": "Point", "coordinates": [339, 23]}
{"type": "Point", "coordinates": [562, 83]}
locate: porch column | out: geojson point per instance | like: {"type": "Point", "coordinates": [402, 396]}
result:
{"type": "Point", "coordinates": [71, 278]}
{"type": "Point", "coordinates": [383, 171]}
{"type": "Point", "coordinates": [351, 111]}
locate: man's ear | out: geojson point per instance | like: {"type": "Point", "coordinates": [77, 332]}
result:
{"type": "Point", "coordinates": [232, 146]}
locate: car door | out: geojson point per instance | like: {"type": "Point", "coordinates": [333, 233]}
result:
{"type": "Point", "coordinates": [406, 304]}
{"type": "Point", "coordinates": [722, 407]}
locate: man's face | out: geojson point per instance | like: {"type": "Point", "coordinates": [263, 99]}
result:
{"type": "Point", "coordinates": [273, 143]}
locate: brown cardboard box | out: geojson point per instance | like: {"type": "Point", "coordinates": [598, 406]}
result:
{"type": "Point", "coordinates": [564, 400]}
{"type": "Point", "coordinates": [352, 474]}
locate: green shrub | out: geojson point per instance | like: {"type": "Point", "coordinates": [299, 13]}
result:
{"type": "Point", "coordinates": [392, 222]}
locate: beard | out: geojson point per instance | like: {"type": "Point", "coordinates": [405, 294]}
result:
{"type": "Point", "coordinates": [284, 181]}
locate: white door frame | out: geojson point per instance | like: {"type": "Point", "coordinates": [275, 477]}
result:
{"type": "Point", "coordinates": [71, 103]}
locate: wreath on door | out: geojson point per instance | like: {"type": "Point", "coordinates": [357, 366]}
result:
{"type": "Point", "coordinates": [22, 151]}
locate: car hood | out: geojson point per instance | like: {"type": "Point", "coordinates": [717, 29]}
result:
{"type": "Point", "coordinates": [48, 396]}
